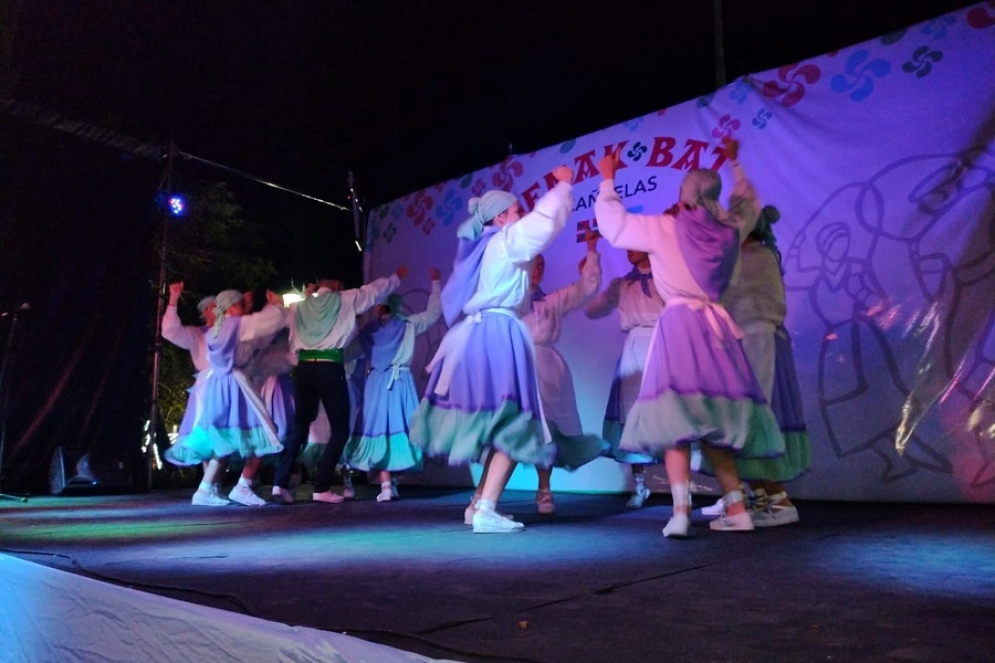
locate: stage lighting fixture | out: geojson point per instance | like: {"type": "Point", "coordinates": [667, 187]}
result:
{"type": "Point", "coordinates": [176, 205]}
{"type": "Point", "coordinates": [292, 298]}
{"type": "Point", "coordinates": [173, 204]}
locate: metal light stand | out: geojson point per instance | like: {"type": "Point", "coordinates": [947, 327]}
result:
{"type": "Point", "coordinates": [5, 398]}
{"type": "Point", "coordinates": [153, 431]}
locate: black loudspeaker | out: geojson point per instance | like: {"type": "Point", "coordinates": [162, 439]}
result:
{"type": "Point", "coordinates": [74, 472]}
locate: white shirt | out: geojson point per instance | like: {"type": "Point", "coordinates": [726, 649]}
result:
{"type": "Point", "coordinates": [504, 272]}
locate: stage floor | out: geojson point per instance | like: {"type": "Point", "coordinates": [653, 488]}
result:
{"type": "Point", "coordinates": [593, 583]}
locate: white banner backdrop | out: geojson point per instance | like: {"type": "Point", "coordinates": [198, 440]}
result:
{"type": "Point", "coordinates": [881, 159]}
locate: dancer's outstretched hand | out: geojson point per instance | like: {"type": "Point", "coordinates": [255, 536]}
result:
{"type": "Point", "coordinates": [175, 290]}
{"type": "Point", "coordinates": [609, 164]}
{"type": "Point", "coordinates": [591, 237]}
{"type": "Point", "coordinates": [564, 174]}
{"type": "Point", "coordinates": [433, 274]}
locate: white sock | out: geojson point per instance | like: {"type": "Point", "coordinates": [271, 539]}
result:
{"type": "Point", "coordinates": [732, 497]}
{"type": "Point", "coordinates": [385, 485]}
{"type": "Point", "coordinates": [486, 505]}
{"type": "Point", "coordinates": [242, 481]}
{"type": "Point", "coordinates": [205, 487]}
{"type": "Point", "coordinates": [681, 492]}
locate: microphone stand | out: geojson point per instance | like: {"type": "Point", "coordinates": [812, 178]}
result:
{"type": "Point", "coordinates": [5, 398]}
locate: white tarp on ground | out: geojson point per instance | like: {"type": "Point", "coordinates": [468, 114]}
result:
{"type": "Point", "coordinates": [47, 615]}
{"type": "Point", "coordinates": [881, 159]}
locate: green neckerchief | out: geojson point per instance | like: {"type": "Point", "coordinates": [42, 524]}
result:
{"type": "Point", "coordinates": [315, 317]}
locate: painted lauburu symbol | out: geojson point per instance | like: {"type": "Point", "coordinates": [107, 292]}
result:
{"type": "Point", "coordinates": [418, 207]}
{"type": "Point", "coordinates": [791, 87]}
{"type": "Point", "coordinates": [922, 62]}
{"type": "Point", "coordinates": [860, 75]}
{"type": "Point", "coordinates": [390, 232]}
{"type": "Point", "coordinates": [727, 126]}
{"type": "Point", "coordinates": [982, 17]}
{"type": "Point", "coordinates": [938, 26]}
{"type": "Point", "coordinates": [741, 90]}
{"type": "Point", "coordinates": [637, 151]}
{"type": "Point", "coordinates": [478, 188]}
{"type": "Point", "coordinates": [428, 225]}
{"type": "Point", "coordinates": [505, 176]}
{"type": "Point", "coordinates": [763, 115]}
{"type": "Point", "coordinates": [449, 207]}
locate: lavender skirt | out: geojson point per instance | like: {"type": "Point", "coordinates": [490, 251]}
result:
{"type": "Point", "coordinates": [231, 420]}
{"type": "Point", "coordinates": [698, 388]}
{"type": "Point", "coordinates": [492, 401]}
{"type": "Point", "coordinates": [381, 441]}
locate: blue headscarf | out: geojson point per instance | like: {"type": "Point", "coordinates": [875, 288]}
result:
{"type": "Point", "coordinates": [225, 300]}
{"type": "Point", "coordinates": [473, 237]}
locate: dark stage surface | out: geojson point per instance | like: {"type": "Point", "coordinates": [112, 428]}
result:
{"type": "Point", "coordinates": [595, 582]}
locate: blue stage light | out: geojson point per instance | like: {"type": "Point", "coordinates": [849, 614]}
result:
{"type": "Point", "coordinates": [172, 204]}
{"type": "Point", "coordinates": [176, 205]}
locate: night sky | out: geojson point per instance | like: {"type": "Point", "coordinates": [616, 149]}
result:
{"type": "Point", "coordinates": [403, 93]}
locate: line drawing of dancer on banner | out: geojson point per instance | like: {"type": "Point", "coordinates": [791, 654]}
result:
{"type": "Point", "coordinates": [946, 211]}
{"type": "Point", "coordinates": [900, 313]}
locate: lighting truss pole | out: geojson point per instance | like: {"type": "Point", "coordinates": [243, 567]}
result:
{"type": "Point", "coordinates": [150, 450]}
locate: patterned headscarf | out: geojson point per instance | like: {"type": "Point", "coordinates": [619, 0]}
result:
{"type": "Point", "coordinates": [224, 301]}
{"type": "Point", "coordinates": [701, 187]}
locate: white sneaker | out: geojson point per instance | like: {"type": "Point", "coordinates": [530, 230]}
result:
{"type": "Point", "coordinates": [716, 509]}
{"type": "Point", "coordinates": [775, 514]}
{"type": "Point", "coordinates": [207, 498]}
{"type": "Point", "coordinates": [385, 495]}
{"type": "Point", "coordinates": [639, 496]}
{"type": "Point", "coordinates": [678, 526]}
{"type": "Point", "coordinates": [243, 495]}
{"type": "Point", "coordinates": [283, 495]}
{"type": "Point", "coordinates": [741, 522]}
{"type": "Point", "coordinates": [491, 522]}
{"type": "Point", "coordinates": [328, 497]}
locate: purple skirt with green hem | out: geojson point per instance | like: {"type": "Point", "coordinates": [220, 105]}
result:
{"type": "Point", "coordinates": [230, 420]}
{"type": "Point", "coordinates": [382, 441]}
{"type": "Point", "coordinates": [492, 401]}
{"type": "Point", "coordinates": [613, 425]}
{"type": "Point", "coordinates": [786, 402]}
{"type": "Point", "coordinates": [698, 388]}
